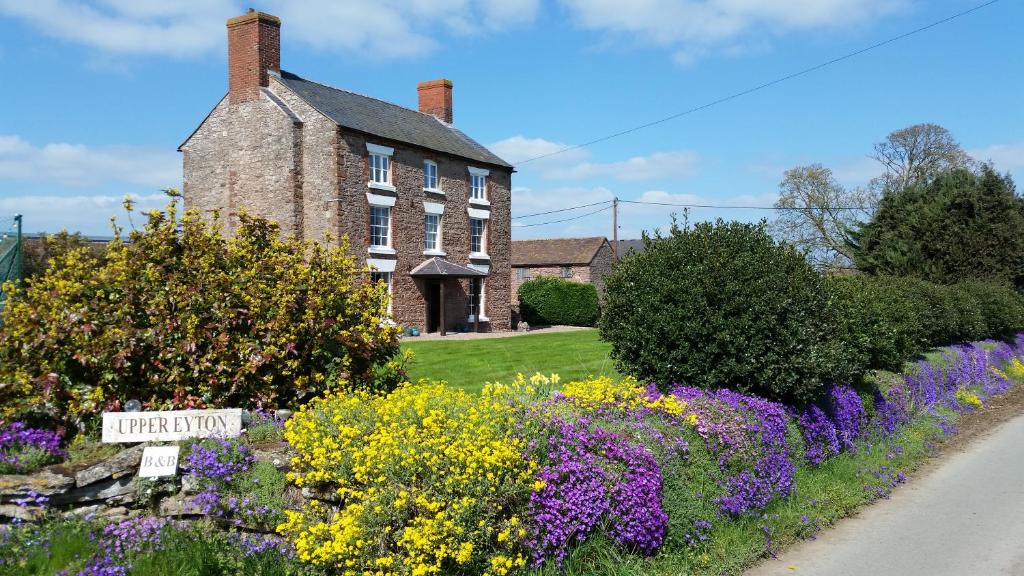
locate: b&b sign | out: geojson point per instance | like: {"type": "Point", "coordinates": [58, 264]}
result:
{"type": "Point", "coordinates": [171, 425]}
{"type": "Point", "coordinates": [159, 461]}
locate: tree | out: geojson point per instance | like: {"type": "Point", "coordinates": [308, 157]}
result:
{"type": "Point", "coordinates": [917, 154]}
{"type": "Point", "coordinates": [960, 226]}
{"type": "Point", "coordinates": [815, 214]}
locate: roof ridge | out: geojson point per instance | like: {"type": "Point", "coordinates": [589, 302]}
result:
{"type": "Point", "coordinates": [360, 94]}
{"type": "Point", "coordinates": [566, 238]}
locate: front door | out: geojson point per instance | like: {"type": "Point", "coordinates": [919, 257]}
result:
{"type": "Point", "coordinates": [433, 306]}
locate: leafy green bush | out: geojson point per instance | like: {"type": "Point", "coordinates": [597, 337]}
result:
{"type": "Point", "coordinates": [884, 321]}
{"type": "Point", "coordinates": [1000, 308]}
{"type": "Point", "coordinates": [182, 316]}
{"type": "Point", "coordinates": [877, 320]}
{"type": "Point", "coordinates": [555, 301]}
{"type": "Point", "coordinates": [722, 306]}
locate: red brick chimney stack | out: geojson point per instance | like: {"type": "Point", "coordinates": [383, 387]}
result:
{"type": "Point", "coordinates": [436, 99]}
{"type": "Point", "coordinates": [254, 46]}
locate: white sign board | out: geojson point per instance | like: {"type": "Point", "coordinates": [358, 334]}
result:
{"type": "Point", "coordinates": [171, 425]}
{"type": "Point", "coordinates": [159, 461]}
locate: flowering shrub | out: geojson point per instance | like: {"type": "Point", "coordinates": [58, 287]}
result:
{"type": "Point", "coordinates": [428, 480]}
{"type": "Point", "coordinates": [24, 449]}
{"type": "Point", "coordinates": [847, 411]}
{"type": "Point", "coordinates": [183, 317]}
{"type": "Point", "coordinates": [749, 436]}
{"type": "Point", "coordinates": [232, 485]}
{"type": "Point", "coordinates": [820, 438]}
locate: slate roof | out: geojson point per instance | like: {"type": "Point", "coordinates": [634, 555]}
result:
{"type": "Point", "coordinates": [625, 246]}
{"type": "Point", "coordinates": [440, 268]}
{"type": "Point", "coordinates": [391, 121]}
{"type": "Point", "coordinates": [556, 251]}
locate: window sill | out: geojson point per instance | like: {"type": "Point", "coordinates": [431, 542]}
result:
{"type": "Point", "coordinates": [479, 202]}
{"type": "Point", "coordinates": [478, 256]}
{"type": "Point", "coordinates": [435, 253]}
{"type": "Point", "coordinates": [437, 191]}
{"type": "Point", "coordinates": [482, 319]}
{"type": "Point", "coordinates": [381, 186]}
{"type": "Point", "coordinates": [381, 250]}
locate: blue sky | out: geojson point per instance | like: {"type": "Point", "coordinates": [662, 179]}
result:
{"type": "Point", "coordinates": [99, 93]}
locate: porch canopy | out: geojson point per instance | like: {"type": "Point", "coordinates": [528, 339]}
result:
{"type": "Point", "coordinates": [437, 268]}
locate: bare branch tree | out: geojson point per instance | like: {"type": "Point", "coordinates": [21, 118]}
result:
{"type": "Point", "coordinates": [916, 154]}
{"type": "Point", "coordinates": [817, 214]}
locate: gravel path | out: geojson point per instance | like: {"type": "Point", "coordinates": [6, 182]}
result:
{"type": "Point", "coordinates": [486, 335]}
{"type": "Point", "coordinates": [964, 517]}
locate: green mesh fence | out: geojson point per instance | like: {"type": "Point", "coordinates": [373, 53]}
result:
{"type": "Point", "coordinates": [11, 257]}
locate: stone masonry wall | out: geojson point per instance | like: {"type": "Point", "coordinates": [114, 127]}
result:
{"type": "Point", "coordinates": [600, 267]}
{"type": "Point", "coordinates": [407, 217]}
{"type": "Point", "coordinates": [579, 274]}
{"type": "Point", "coordinates": [245, 157]}
{"type": "Point", "coordinates": [279, 158]}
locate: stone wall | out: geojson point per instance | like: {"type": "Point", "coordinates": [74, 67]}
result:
{"type": "Point", "coordinates": [108, 488]}
{"type": "Point", "coordinates": [578, 274]}
{"type": "Point", "coordinates": [594, 273]}
{"type": "Point", "coordinates": [246, 157]}
{"type": "Point", "coordinates": [600, 267]}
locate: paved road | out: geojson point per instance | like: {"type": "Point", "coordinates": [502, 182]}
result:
{"type": "Point", "coordinates": [964, 518]}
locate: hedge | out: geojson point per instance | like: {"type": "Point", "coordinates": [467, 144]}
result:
{"type": "Point", "coordinates": [884, 321]}
{"type": "Point", "coordinates": [554, 301]}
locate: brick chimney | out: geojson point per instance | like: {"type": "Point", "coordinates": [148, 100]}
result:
{"type": "Point", "coordinates": [436, 99]}
{"type": "Point", "coordinates": [254, 46]}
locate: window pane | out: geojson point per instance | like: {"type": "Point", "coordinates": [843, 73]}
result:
{"type": "Point", "coordinates": [476, 235]}
{"type": "Point", "coordinates": [477, 186]}
{"type": "Point", "coordinates": [431, 226]}
{"type": "Point", "coordinates": [430, 175]}
{"type": "Point", "coordinates": [379, 169]}
{"type": "Point", "coordinates": [380, 221]}
{"type": "Point", "coordinates": [475, 297]}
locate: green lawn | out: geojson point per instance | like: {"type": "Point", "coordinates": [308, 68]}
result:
{"type": "Point", "coordinates": [469, 364]}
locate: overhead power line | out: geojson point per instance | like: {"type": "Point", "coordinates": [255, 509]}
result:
{"type": "Point", "coordinates": [722, 207]}
{"type": "Point", "coordinates": [560, 210]}
{"type": "Point", "coordinates": [768, 84]}
{"type": "Point", "coordinates": [599, 210]}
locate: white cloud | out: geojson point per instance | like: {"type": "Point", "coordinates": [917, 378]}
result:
{"type": "Point", "coordinates": [181, 28]}
{"type": "Point", "coordinates": [1005, 157]}
{"type": "Point", "coordinates": [519, 148]}
{"type": "Point", "coordinates": [691, 27]}
{"type": "Point", "coordinates": [191, 28]}
{"type": "Point", "coordinates": [88, 214]}
{"type": "Point", "coordinates": [532, 200]}
{"type": "Point", "coordinates": [660, 165]}
{"type": "Point", "coordinates": [80, 166]}
{"type": "Point", "coordinates": [574, 163]}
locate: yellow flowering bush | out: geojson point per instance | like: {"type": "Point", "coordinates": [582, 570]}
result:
{"type": "Point", "coordinates": [1015, 369]}
{"type": "Point", "coordinates": [181, 316]}
{"type": "Point", "coordinates": [424, 480]}
{"type": "Point", "coordinates": [966, 397]}
{"type": "Point", "coordinates": [626, 393]}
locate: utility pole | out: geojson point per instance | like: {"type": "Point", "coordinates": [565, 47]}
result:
{"type": "Point", "coordinates": [615, 227]}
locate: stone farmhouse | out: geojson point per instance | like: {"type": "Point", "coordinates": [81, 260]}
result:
{"type": "Point", "coordinates": [424, 206]}
{"type": "Point", "coordinates": [577, 259]}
